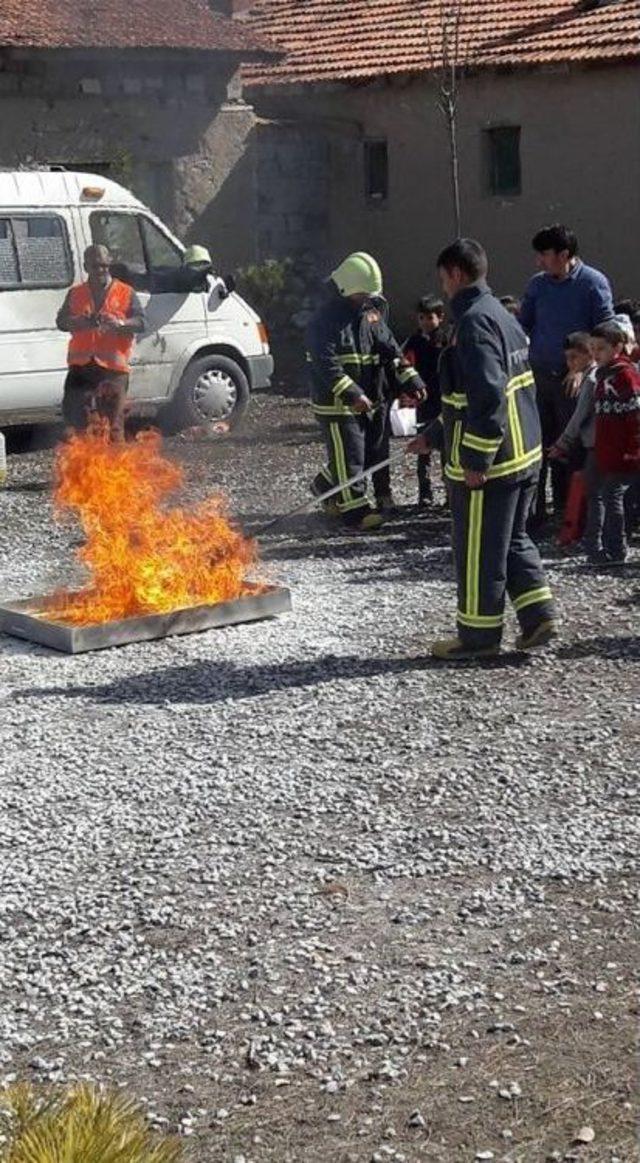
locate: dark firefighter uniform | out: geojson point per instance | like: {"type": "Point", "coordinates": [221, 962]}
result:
{"type": "Point", "coordinates": [352, 352]}
{"type": "Point", "coordinates": [491, 425]}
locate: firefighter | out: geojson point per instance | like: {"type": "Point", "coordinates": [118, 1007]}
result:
{"type": "Point", "coordinates": [193, 276]}
{"type": "Point", "coordinates": [493, 451]}
{"type": "Point", "coordinates": [103, 316]}
{"type": "Point", "coordinates": [353, 356]}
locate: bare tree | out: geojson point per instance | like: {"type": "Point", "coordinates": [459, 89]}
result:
{"type": "Point", "coordinates": [442, 31]}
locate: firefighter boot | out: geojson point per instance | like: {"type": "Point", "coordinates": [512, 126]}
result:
{"type": "Point", "coordinates": [454, 650]}
{"type": "Point", "coordinates": [330, 508]}
{"type": "Point", "coordinates": [370, 523]}
{"type": "Point", "coordinates": [543, 633]}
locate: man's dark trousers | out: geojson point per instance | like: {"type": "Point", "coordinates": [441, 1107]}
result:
{"type": "Point", "coordinates": [91, 390]}
{"type": "Point", "coordinates": [494, 557]}
{"type": "Point", "coordinates": [555, 408]}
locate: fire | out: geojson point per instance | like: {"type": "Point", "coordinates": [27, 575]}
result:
{"type": "Point", "coordinates": [142, 555]}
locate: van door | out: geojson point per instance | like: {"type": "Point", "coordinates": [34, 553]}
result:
{"type": "Point", "coordinates": [173, 320]}
{"type": "Point", "coordinates": [36, 270]}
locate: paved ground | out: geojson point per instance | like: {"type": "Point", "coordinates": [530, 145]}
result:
{"type": "Point", "coordinates": [307, 894]}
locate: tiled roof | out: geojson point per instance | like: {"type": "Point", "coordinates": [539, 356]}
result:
{"type": "Point", "coordinates": [341, 40]}
{"type": "Point", "coordinates": [154, 24]}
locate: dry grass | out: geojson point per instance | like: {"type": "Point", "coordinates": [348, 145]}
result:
{"type": "Point", "coordinates": [84, 1125]}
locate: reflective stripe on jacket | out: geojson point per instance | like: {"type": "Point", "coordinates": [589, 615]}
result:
{"type": "Point", "coordinates": [489, 411]}
{"type": "Point", "coordinates": [107, 349]}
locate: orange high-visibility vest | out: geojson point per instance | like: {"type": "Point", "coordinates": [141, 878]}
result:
{"type": "Point", "coordinates": [108, 349]}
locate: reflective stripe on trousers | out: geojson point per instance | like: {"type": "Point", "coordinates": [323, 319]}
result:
{"type": "Point", "coordinates": [495, 556]}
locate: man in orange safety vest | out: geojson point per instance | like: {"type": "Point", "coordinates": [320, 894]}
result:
{"type": "Point", "coordinates": [103, 316]}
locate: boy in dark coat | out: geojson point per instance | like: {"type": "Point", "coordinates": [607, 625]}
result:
{"type": "Point", "coordinates": [423, 350]}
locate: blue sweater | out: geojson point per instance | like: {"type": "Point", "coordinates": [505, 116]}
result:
{"type": "Point", "coordinates": [552, 308]}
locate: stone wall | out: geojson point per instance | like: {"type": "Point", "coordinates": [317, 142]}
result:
{"type": "Point", "coordinates": [173, 129]}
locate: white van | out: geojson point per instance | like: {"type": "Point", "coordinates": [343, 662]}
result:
{"type": "Point", "coordinates": [201, 353]}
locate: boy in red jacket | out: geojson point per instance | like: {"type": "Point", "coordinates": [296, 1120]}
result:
{"type": "Point", "coordinates": [617, 446]}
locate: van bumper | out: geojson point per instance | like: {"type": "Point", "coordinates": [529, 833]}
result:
{"type": "Point", "coordinates": [260, 370]}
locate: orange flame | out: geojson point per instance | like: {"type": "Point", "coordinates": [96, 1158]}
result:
{"type": "Point", "coordinates": [143, 556]}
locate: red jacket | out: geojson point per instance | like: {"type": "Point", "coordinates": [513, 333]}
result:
{"type": "Point", "coordinates": [617, 407]}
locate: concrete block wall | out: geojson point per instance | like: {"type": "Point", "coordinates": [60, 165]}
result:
{"type": "Point", "coordinates": [292, 191]}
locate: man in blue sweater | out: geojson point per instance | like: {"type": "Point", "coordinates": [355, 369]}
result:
{"type": "Point", "coordinates": [566, 296]}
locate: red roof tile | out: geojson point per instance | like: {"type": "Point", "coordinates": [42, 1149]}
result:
{"type": "Point", "coordinates": [153, 24]}
{"type": "Point", "coordinates": [342, 40]}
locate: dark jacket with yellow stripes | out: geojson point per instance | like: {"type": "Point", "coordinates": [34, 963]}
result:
{"type": "Point", "coordinates": [353, 352]}
{"type": "Point", "coordinates": [489, 412]}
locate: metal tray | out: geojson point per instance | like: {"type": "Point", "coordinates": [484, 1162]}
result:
{"type": "Point", "coordinates": [23, 619]}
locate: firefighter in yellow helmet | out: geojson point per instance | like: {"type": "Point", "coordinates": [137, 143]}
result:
{"type": "Point", "coordinates": [355, 364]}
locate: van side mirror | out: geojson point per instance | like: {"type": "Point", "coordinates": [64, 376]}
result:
{"type": "Point", "coordinates": [230, 283]}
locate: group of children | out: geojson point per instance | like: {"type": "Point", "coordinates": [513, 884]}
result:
{"type": "Point", "coordinates": [602, 437]}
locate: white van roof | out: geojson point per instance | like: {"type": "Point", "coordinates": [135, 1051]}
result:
{"type": "Point", "coordinates": [46, 188]}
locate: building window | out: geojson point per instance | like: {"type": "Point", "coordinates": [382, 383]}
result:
{"type": "Point", "coordinates": [502, 153]}
{"type": "Point", "coordinates": [376, 171]}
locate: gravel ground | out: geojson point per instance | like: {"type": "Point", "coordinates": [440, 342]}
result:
{"type": "Point", "coordinates": [306, 893]}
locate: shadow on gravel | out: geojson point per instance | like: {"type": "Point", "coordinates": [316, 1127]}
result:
{"type": "Point", "coordinates": [212, 682]}
{"type": "Point", "coordinates": [29, 487]}
{"type": "Point", "coordinates": [298, 538]}
{"type": "Point", "coordinates": [629, 569]}
{"type": "Point", "coordinates": [25, 438]}
{"type": "Point", "coordinates": [627, 647]}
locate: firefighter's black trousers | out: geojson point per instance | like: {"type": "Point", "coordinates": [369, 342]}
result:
{"type": "Point", "coordinates": [495, 556]}
{"type": "Point", "coordinates": [354, 443]}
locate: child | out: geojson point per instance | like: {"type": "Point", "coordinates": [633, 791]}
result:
{"type": "Point", "coordinates": [511, 304]}
{"type": "Point", "coordinates": [581, 431]}
{"type": "Point", "coordinates": [617, 445]}
{"type": "Point", "coordinates": [423, 349]}
{"type": "Point", "coordinates": [635, 323]}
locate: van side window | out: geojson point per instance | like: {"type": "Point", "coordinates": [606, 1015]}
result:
{"type": "Point", "coordinates": [43, 255]}
{"type": "Point", "coordinates": [9, 276]}
{"type": "Point", "coordinates": [121, 234]}
{"type": "Point", "coordinates": [34, 252]}
{"type": "Point", "coordinates": [134, 240]}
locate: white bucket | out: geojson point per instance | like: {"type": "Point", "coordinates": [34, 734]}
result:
{"type": "Point", "coordinates": [403, 420]}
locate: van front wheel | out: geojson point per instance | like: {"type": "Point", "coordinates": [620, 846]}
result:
{"type": "Point", "coordinates": [212, 388]}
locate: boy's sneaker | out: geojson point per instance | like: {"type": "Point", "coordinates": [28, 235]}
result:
{"type": "Point", "coordinates": [454, 650]}
{"type": "Point", "coordinates": [604, 559]}
{"type": "Point", "coordinates": [543, 634]}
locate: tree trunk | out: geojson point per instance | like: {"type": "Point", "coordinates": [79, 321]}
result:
{"type": "Point", "coordinates": [454, 169]}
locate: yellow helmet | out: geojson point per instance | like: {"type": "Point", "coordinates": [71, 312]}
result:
{"type": "Point", "coordinates": [359, 274]}
{"type": "Point", "coordinates": [196, 255]}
